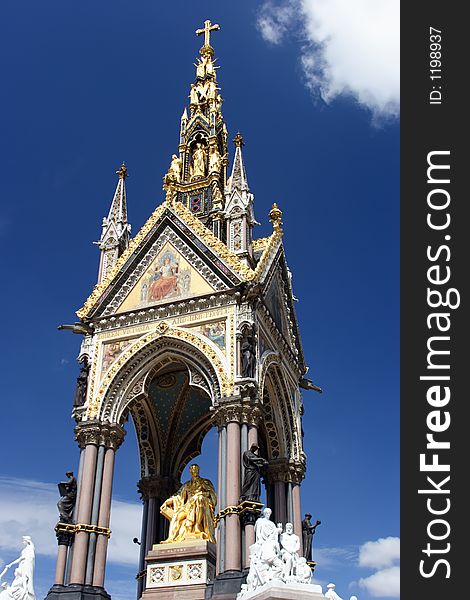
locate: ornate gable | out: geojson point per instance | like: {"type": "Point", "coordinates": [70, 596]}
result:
{"type": "Point", "coordinates": [172, 244]}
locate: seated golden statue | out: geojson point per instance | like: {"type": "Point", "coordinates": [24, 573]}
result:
{"type": "Point", "coordinates": [191, 510]}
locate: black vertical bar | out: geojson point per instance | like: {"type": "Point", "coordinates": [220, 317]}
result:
{"type": "Point", "coordinates": [434, 271]}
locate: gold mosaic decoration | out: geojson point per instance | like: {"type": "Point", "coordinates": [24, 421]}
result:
{"type": "Point", "coordinates": [161, 328]}
{"type": "Point", "coordinates": [231, 259]}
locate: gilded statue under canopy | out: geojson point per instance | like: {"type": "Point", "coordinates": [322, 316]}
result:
{"type": "Point", "coordinates": [191, 510]}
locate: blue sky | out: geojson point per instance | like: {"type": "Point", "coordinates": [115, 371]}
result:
{"type": "Point", "coordinates": [314, 91]}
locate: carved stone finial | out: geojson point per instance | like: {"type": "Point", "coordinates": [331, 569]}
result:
{"type": "Point", "coordinates": [238, 140]}
{"type": "Point", "coordinates": [275, 216]}
{"type": "Point", "coordinates": [122, 172]}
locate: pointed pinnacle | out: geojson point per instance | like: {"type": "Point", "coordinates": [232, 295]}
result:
{"type": "Point", "coordinates": [275, 216]}
{"type": "Point", "coordinates": [238, 140]}
{"type": "Point", "coordinates": [122, 172]}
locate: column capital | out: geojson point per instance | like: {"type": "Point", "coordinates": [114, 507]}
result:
{"type": "Point", "coordinates": [157, 486]}
{"type": "Point", "coordinates": [251, 413]}
{"type": "Point", "coordinates": [285, 470]}
{"type": "Point", "coordinates": [228, 411]}
{"type": "Point", "coordinates": [109, 435]}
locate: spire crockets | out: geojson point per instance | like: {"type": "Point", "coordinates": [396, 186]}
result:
{"type": "Point", "coordinates": [239, 206]}
{"type": "Point", "coordinates": [198, 173]}
{"type": "Point", "coordinates": [115, 228]}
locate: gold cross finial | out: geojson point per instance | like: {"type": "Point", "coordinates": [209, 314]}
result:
{"type": "Point", "coordinates": [208, 27]}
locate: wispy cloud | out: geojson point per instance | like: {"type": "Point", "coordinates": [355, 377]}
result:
{"type": "Point", "coordinates": [334, 558]}
{"type": "Point", "coordinates": [30, 508]}
{"type": "Point", "coordinates": [346, 48]}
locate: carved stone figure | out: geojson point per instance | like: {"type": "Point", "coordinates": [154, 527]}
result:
{"type": "Point", "coordinates": [82, 384]}
{"type": "Point", "coordinates": [22, 587]}
{"type": "Point", "coordinates": [191, 510]}
{"type": "Point", "coordinates": [214, 160]}
{"type": "Point", "coordinates": [175, 167]}
{"type": "Point", "coordinates": [201, 67]}
{"type": "Point", "coordinates": [267, 539]}
{"type": "Point", "coordinates": [290, 545]}
{"type": "Point", "coordinates": [308, 531]}
{"type": "Point", "coordinates": [198, 169]}
{"type": "Point", "coordinates": [211, 90]}
{"type": "Point", "coordinates": [193, 97]}
{"type": "Point", "coordinates": [303, 571]}
{"type": "Point", "coordinates": [248, 356]}
{"type": "Point", "coordinates": [68, 497]}
{"type": "Point", "coordinates": [274, 556]}
{"type": "Point", "coordinates": [252, 464]}
{"type": "Point", "coordinates": [210, 67]}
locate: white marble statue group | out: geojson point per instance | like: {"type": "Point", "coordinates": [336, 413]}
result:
{"type": "Point", "coordinates": [275, 556]}
{"type": "Point", "coordinates": [21, 587]}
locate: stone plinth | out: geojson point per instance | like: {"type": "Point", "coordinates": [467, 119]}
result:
{"type": "Point", "coordinates": [277, 590]}
{"type": "Point", "coordinates": [179, 570]}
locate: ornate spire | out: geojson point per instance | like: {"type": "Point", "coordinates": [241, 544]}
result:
{"type": "Point", "coordinates": [115, 228]}
{"type": "Point", "coordinates": [197, 175]}
{"type": "Point", "coordinates": [239, 207]}
{"type": "Point", "coordinates": [118, 210]}
{"type": "Point", "coordinates": [238, 179]}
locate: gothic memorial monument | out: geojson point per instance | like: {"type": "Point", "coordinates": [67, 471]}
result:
{"type": "Point", "coordinates": [191, 326]}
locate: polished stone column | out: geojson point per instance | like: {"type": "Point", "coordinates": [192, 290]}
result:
{"type": "Point", "coordinates": [103, 518]}
{"type": "Point", "coordinates": [60, 565]}
{"type": "Point", "coordinates": [280, 513]}
{"type": "Point", "coordinates": [95, 514]}
{"type": "Point", "coordinates": [290, 512]}
{"type": "Point", "coordinates": [251, 415]}
{"type": "Point", "coordinates": [297, 515]}
{"type": "Point", "coordinates": [80, 546]}
{"type": "Point", "coordinates": [233, 534]}
{"type": "Point", "coordinates": [222, 499]}
{"type": "Point", "coordinates": [74, 517]}
{"type": "Point", "coordinates": [94, 500]}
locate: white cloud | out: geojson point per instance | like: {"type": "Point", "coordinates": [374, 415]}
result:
{"type": "Point", "coordinates": [384, 552]}
{"type": "Point", "coordinates": [348, 48]}
{"type": "Point", "coordinates": [381, 554]}
{"type": "Point", "coordinates": [383, 583]}
{"type": "Point", "coordinates": [30, 508]}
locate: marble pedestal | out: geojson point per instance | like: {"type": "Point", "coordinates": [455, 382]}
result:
{"type": "Point", "coordinates": [277, 590]}
{"type": "Point", "coordinates": [179, 570]}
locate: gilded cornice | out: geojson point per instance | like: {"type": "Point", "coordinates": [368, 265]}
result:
{"type": "Point", "coordinates": [245, 273]}
{"type": "Point", "coordinates": [219, 248]}
{"type": "Point", "coordinates": [260, 243]}
{"type": "Point", "coordinates": [270, 247]}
